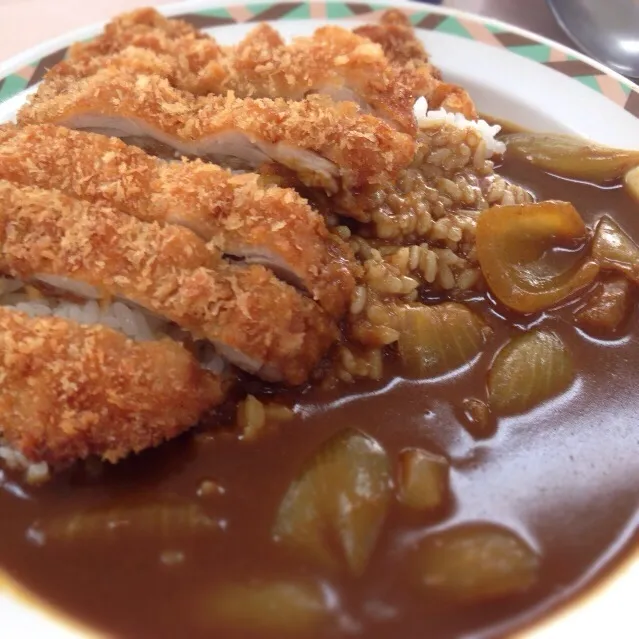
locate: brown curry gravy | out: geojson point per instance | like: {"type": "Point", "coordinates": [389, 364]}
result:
{"type": "Point", "coordinates": [561, 476]}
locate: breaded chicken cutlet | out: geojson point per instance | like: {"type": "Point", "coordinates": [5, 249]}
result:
{"type": "Point", "coordinates": [253, 319]}
{"type": "Point", "coordinates": [70, 391]}
{"type": "Point", "coordinates": [331, 146]}
{"type": "Point", "coordinates": [396, 35]}
{"type": "Point", "coordinates": [235, 213]}
{"type": "Point", "coordinates": [333, 61]}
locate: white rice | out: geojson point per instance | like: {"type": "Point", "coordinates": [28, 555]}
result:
{"type": "Point", "coordinates": [488, 132]}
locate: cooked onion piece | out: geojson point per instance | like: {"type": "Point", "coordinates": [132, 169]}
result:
{"type": "Point", "coordinates": [631, 182]}
{"type": "Point", "coordinates": [283, 607]}
{"type": "Point", "coordinates": [571, 156]}
{"type": "Point", "coordinates": [512, 247]}
{"type": "Point", "coordinates": [529, 370]}
{"type": "Point", "coordinates": [437, 339]}
{"type": "Point", "coordinates": [335, 509]}
{"type": "Point", "coordinates": [607, 307]}
{"type": "Point", "coordinates": [475, 562]}
{"type": "Point", "coordinates": [164, 520]}
{"type": "Point", "coordinates": [615, 250]}
{"type": "Point", "coordinates": [423, 480]}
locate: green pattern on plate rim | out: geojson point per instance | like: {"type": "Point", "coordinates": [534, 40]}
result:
{"type": "Point", "coordinates": [423, 18]}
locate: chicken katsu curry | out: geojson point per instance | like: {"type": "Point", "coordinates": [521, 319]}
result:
{"type": "Point", "coordinates": [294, 344]}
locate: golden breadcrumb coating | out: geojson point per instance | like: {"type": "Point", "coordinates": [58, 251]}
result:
{"type": "Point", "coordinates": [328, 144]}
{"type": "Point", "coordinates": [404, 49]}
{"type": "Point", "coordinates": [131, 58]}
{"type": "Point", "coordinates": [234, 212]}
{"type": "Point", "coordinates": [177, 248]}
{"type": "Point", "coordinates": [396, 36]}
{"type": "Point", "coordinates": [150, 17]}
{"type": "Point", "coordinates": [69, 391]}
{"type": "Point", "coordinates": [253, 319]}
{"type": "Point", "coordinates": [333, 60]}
{"type": "Point", "coordinates": [454, 99]}
{"type": "Point", "coordinates": [156, 44]}
{"type": "Point", "coordinates": [142, 24]}
{"type": "Point", "coordinates": [7, 129]}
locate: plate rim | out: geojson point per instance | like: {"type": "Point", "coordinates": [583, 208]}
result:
{"type": "Point", "coordinates": [27, 67]}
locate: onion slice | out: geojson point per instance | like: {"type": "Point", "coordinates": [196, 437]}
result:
{"type": "Point", "coordinates": [423, 480]}
{"type": "Point", "coordinates": [529, 370]}
{"type": "Point", "coordinates": [631, 183]}
{"type": "Point", "coordinates": [512, 247]}
{"type": "Point", "coordinates": [615, 250]}
{"type": "Point", "coordinates": [437, 339]}
{"type": "Point", "coordinates": [335, 509]}
{"type": "Point", "coordinates": [475, 562]}
{"type": "Point", "coordinates": [159, 520]}
{"type": "Point", "coordinates": [571, 156]}
{"type": "Point", "coordinates": [287, 608]}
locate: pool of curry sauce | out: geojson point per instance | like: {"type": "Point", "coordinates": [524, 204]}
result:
{"type": "Point", "coordinates": [560, 477]}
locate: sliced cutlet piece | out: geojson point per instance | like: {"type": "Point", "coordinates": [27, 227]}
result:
{"type": "Point", "coordinates": [253, 319]}
{"type": "Point", "coordinates": [70, 390]}
{"type": "Point", "coordinates": [404, 49]}
{"type": "Point", "coordinates": [328, 145]}
{"type": "Point", "coordinates": [271, 226]}
{"type": "Point", "coordinates": [236, 213]}
{"type": "Point", "coordinates": [333, 61]}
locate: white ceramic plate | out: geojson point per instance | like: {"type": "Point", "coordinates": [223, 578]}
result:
{"type": "Point", "coordinates": [512, 74]}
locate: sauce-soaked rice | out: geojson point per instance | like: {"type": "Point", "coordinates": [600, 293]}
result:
{"type": "Point", "coordinates": [559, 476]}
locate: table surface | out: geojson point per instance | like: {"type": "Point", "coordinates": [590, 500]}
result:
{"type": "Point", "coordinates": [25, 23]}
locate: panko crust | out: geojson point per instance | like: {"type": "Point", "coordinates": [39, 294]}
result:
{"type": "Point", "coordinates": [244, 309]}
{"type": "Point", "coordinates": [397, 37]}
{"type": "Point", "coordinates": [69, 391]}
{"type": "Point", "coordinates": [363, 148]}
{"type": "Point", "coordinates": [236, 213]}
{"type": "Point", "coordinates": [142, 26]}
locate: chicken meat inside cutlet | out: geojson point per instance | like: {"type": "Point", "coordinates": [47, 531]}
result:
{"type": "Point", "coordinates": [256, 321]}
{"type": "Point", "coordinates": [237, 214]}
